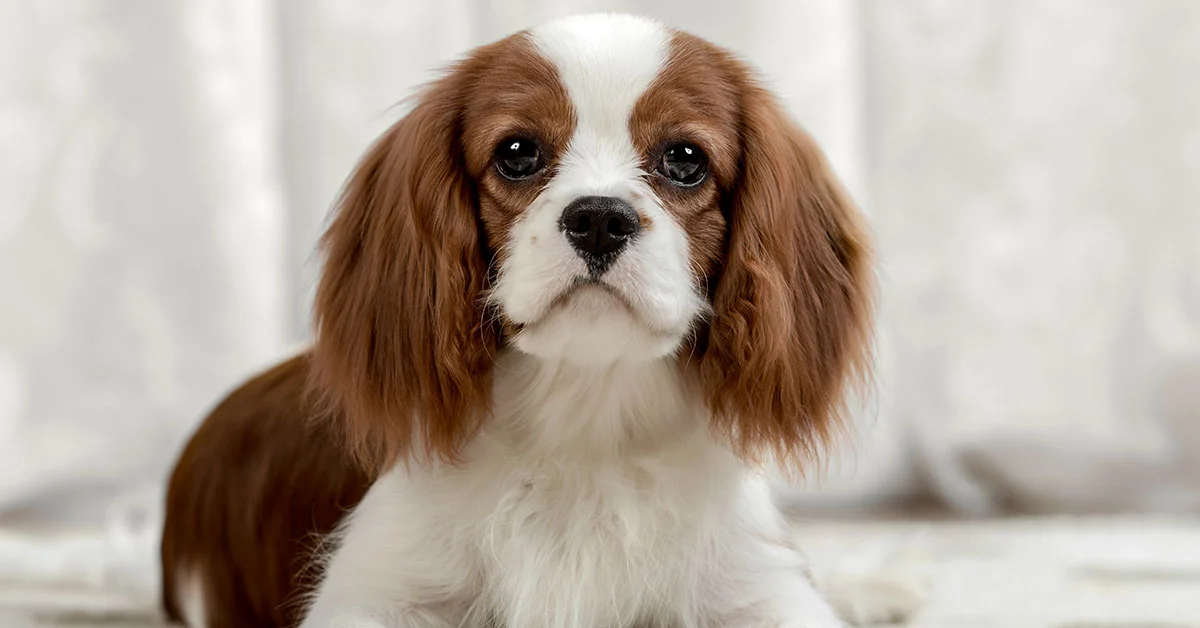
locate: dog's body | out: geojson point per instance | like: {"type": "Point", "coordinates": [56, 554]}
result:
{"type": "Point", "coordinates": [646, 524]}
{"type": "Point", "coordinates": [247, 511]}
{"type": "Point", "coordinates": [569, 306]}
{"type": "Point", "coordinates": [670, 532]}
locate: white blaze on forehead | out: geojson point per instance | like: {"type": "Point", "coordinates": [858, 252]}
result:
{"type": "Point", "coordinates": [605, 63]}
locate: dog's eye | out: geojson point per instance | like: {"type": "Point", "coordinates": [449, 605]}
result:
{"type": "Point", "coordinates": [684, 164]}
{"type": "Point", "coordinates": [518, 158]}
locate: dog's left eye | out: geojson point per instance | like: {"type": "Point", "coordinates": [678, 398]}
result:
{"type": "Point", "coordinates": [684, 164]}
{"type": "Point", "coordinates": [518, 158]}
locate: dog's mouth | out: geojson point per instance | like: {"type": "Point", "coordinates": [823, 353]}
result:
{"type": "Point", "coordinates": [587, 297]}
{"type": "Point", "coordinates": [587, 303]}
{"type": "Point", "coordinates": [583, 285]}
{"type": "Point", "coordinates": [596, 322]}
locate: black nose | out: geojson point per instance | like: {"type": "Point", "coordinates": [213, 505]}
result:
{"type": "Point", "coordinates": [599, 227]}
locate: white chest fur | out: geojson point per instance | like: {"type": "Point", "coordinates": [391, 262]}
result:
{"type": "Point", "coordinates": [587, 543]}
{"type": "Point", "coordinates": [592, 499]}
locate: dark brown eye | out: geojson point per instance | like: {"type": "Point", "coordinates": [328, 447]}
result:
{"type": "Point", "coordinates": [684, 164]}
{"type": "Point", "coordinates": [518, 158]}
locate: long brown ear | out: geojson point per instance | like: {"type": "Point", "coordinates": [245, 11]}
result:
{"type": "Point", "coordinates": [791, 324]}
{"type": "Point", "coordinates": [403, 350]}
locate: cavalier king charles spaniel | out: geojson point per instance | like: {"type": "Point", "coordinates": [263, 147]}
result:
{"type": "Point", "coordinates": [572, 306]}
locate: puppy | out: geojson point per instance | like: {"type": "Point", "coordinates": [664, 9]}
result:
{"type": "Point", "coordinates": [570, 305]}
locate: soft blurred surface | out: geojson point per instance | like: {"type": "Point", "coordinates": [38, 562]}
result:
{"type": "Point", "coordinates": [1099, 572]}
{"type": "Point", "coordinates": [1030, 169]}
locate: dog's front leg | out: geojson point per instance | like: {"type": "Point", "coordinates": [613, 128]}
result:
{"type": "Point", "coordinates": [392, 567]}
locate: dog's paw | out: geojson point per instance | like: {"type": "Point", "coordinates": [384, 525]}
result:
{"type": "Point", "coordinates": [872, 599]}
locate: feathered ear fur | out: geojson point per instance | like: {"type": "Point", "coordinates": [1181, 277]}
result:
{"type": "Point", "coordinates": [403, 350]}
{"type": "Point", "coordinates": [792, 308]}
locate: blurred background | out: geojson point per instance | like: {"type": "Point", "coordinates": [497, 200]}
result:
{"type": "Point", "coordinates": [1031, 169]}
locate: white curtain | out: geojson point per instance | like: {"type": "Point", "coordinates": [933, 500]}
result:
{"type": "Point", "coordinates": [1034, 175]}
{"type": "Point", "coordinates": [1030, 169]}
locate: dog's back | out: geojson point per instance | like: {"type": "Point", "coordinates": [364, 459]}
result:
{"type": "Point", "coordinates": [253, 494]}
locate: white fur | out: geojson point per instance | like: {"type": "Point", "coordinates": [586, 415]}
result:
{"type": "Point", "coordinates": [190, 594]}
{"type": "Point", "coordinates": [595, 496]}
{"type": "Point", "coordinates": [605, 62]}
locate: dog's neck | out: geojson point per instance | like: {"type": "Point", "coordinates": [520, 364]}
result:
{"type": "Point", "coordinates": [549, 409]}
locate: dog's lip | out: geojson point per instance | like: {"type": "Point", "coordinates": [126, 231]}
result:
{"type": "Point", "coordinates": [574, 286]}
{"type": "Point", "coordinates": [582, 282]}
{"type": "Point", "coordinates": [586, 281]}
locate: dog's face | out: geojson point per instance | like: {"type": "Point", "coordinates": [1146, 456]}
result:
{"type": "Point", "coordinates": [597, 191]}
{"type": "Point", "coordinates": [600, 189]}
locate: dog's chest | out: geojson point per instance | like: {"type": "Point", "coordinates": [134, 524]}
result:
{"type": "Point", "coordinates": [605, 546]}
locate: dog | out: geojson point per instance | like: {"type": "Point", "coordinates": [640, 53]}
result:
{"type": "Point", "coordinates": [572, 306]}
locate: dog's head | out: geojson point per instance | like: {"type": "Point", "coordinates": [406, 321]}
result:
{"type": "Point", "coordinates": [598, 190]}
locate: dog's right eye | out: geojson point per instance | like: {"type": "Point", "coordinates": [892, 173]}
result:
{"type": "Point", "coordinates": [518, 158]}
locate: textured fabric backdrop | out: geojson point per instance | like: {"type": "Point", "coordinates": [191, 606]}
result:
{"type": "Point", "coordinates": [1030, 169]}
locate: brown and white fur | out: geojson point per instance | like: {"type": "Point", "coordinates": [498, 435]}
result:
{"type": "Point", "coordinates": [496, 428]}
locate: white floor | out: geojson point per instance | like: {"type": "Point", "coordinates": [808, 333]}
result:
{"type": "Point", "coordinates": [1053, 573]}
{"type": "Point", "coordinates": [1060, 573]}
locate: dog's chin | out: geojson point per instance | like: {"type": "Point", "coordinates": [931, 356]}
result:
{"type": "Point", "coordinates": [593, 326]}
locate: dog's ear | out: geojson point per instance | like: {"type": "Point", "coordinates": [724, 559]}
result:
{"type": "Point", "coordinates": [792, 308]}
{"type": "Point", "coordinates": [403, 350]}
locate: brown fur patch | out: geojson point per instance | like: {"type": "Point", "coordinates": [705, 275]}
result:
{"type": "Point", "coordinates": [778, 245]}
{"type": "Point", "coordinates": [253, 493]}
{"type": "Point", "coordinates": [518, 95]}
{"type": "Point", "coordinates": [793, 294]}
{"type": "Point", "coordinates": [693, 99]}
{"type": "Point", "coordinates": [404, 349]}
